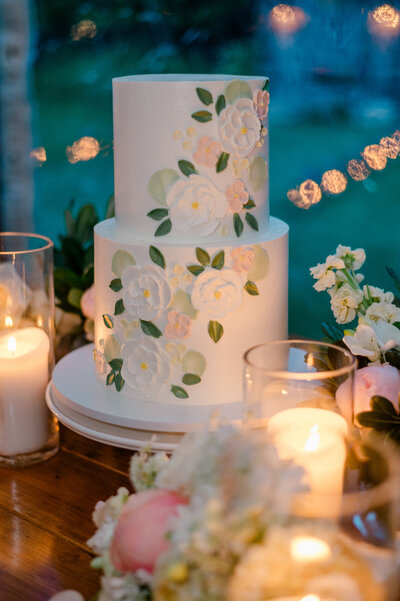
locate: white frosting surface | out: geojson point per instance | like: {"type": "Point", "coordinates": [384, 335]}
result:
{"type": "Point", "coordinates": [194, 146]}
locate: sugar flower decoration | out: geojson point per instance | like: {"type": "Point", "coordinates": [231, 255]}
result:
{"type": "Point", "coordinates": [208, 151]}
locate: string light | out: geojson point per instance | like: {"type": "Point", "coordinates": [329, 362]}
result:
{"type": "Point", "coordinates": [358, 170]}
{"type": "Point", "coordinates": [334, 182]}
{"type": "Point", "coordinates": [286, 19]}
{"type": "Point", "coordinates": [39, 155]}
{"type": "Point", "coordinates": [384, 21]}
{"type": "Point", "coordinates": [390, 147]}
{"type": "Point", "coordinates": [83, 29]}
{"type": "Point", "coordinates": [375, 157]}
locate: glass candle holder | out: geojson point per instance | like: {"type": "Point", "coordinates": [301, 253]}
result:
{"type": "Point", "coordinates": [28, 431]}
{"type": "Point", "coordinates": [296, 374]}
{"type": "Point", "coordinates": [337, 548]}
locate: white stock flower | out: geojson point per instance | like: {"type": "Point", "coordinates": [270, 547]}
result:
{"type": "Point", "coordinates": [325, 274]}
{"type": "Point", "coordinates": [145, 366]}
{"type": "Point", "coordinates": [239, 127]}
{"type": "Point", "coordinates": [196, 205]}
{"type": "Point", "coordinates": [344, 302]}
{"type": "Point", "coordinates": [355, 257]}
{"type": "Point", "coordinates": [217, 292]}
{"type": "Point", "coordinates": [378, 294]}
{"type": "Point", "coordinates": [383, 310]}
{"type": "Point", "coordinates": [146, 292]}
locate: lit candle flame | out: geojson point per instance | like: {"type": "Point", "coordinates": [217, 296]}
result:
{"type": "Point", "coordinates": [8, 322]}
{"type": "Point", "coordinates": [311, 598]}
{"type": "Point", "coordinates": [312, 442]}
{"type": "Point", "coordinates": [12, 346]}
{"type": "Point", "coordinates": [309, 548]}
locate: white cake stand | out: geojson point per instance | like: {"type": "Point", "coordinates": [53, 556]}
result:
{"type": "Point", "coordinates": [84, 405]}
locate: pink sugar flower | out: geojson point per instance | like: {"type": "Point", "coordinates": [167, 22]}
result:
{"type": "Point", "coordinates": [237, 196]}
{"type": "Point", "coordinates": [208, 151]}
{"type": "Point", "coordinates": [178, 325]}
{"type": "Point", "coordinates": [140, 535]}
{"type": "Point", "coordinates": [261, 102]}
{"type": "Point", "coordinates": [243, 259]}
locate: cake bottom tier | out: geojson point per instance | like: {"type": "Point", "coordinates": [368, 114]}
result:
{"type": "Point", "coordinates": [172, 322]}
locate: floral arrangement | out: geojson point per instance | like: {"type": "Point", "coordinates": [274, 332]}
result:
{"type": "Point", "coordinates": [375, 339]}
{"type": "Point", "coordinates": [214, 522]}
{"type": "Point", "coordinates": [74, 276]}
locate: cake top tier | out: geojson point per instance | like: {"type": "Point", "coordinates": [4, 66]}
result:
{"type": "Point", "coordinates": [190, 156]}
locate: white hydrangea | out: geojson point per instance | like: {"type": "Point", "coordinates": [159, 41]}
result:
{"type": "Point", "coordinates": [344, 302]}
{"type": "Point", "coordinates": [325, 274]}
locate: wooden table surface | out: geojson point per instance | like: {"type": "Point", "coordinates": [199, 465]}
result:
{"type": "Point", "coordinates": [45, 518]}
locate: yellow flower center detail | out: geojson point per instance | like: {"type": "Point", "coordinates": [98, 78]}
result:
{"type": "Point", "coordinates": [217, 294]}
{"type": "Point", "coordinates": [208, 149]}
{"type": "Point", "coordinates": [146, 293]}
{"type": "Point", "coordinates": [176, 325]}
{"type": "Point", "coordinates": [144, 366]}
{"type": "Point", "coordinates": [243, 130]}
{"type": "Point", "coordinates": [195, 205]}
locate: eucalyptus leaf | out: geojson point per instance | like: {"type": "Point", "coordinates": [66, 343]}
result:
{"type": "Point", "coordinates": [150, 329]}
{"type": "Point", "coordinates": [202, 116]}
{"type": "Point", "coordinates": [164, 228]}
{"type": "Point", "coordinates": [202, 256]}
{"type": "Point", "coordinates": [222, 162]}
{"type": "Point", "coordinates": [112, 348]}
{"type": "Point", "coordinates": [220, 104]}
{"type": "Point", "coordinates": [115, 284]}
{"type": "Point", "coordinates": [215, 330]}
{"type": "Point", "coordinates": [160, 183]}
{"type": "Point", "coordinates": [157, 214]}
{"type": "Point", "coordinates": [258, 173]}
{"type": "Point", "coordinates": [219, 260]}
{"type": "Point", "coordinates": [121, 259]}
{"type": "Point", "coordinates": [191, 379]}
{"type": "Point", "coordinates": [205, 96]}
{"type": "Point", "coordinates": [251, 221]}
{"type": "Point", "coordinates": [157, 257]}
{"type": "Point", "coordinates": [238, 88]}
{"type": "Point", "coordinates": [179, 392]}
{"type": "Point", "coordinates": [186, 167]}
{"type": "Point", "coordinates": [237, 224]}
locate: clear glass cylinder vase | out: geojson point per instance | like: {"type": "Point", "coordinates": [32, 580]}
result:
{"type": "Point", "coordinates": [28, 431]}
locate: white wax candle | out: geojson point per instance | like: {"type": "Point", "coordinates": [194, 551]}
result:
{"type": "Point", "coordinates": [24, 373]}
{"type": "Point", "coordinates": [315, 440]}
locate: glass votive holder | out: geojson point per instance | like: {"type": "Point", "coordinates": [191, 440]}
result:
{"type": "Point", "coordinates": [338, 547]}
{"type": "Point", "coordinates": [293, 376]}
{"type": "Point", "coordinates": [29, 433]}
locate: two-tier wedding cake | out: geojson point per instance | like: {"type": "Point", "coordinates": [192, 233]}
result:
{"type": "Point", "coordinates": [192, 271]}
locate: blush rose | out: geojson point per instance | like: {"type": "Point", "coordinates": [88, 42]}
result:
{"type": "Point", "coordinates": [141, 532]}
{"type": "Point", "coordinates": [374, 380]}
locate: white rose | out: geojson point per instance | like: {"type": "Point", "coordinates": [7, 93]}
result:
{"type": "Point", "coordinates": [239, 127]}
{"type": "Point", "coordinates": [145, 366]}
{"type": "Point", "coordinates": [146, 292]}
{"type": "Point", "coordinates": [344, 302]}
{"type": "Point", "coordinates": [196, 205]}
{"type": "Point", "coordinates": [215, 292]}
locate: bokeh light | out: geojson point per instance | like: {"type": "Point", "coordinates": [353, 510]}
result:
{"type": "Point", "coordinates": [358, 170]}
{"type": "Point", "coordinates": [384, 21]}
{"type": "Point", "coordinates": [375, 157]}
{"type": "Point", "coordinates": [390, 147]}
{"type": "Point", "coordinates": [38, 155]}
{"type": "Point", "coordinates": [84, 149]}
{"type": "Point", "coordinates": [308, 194]}
{"type": "Point", "coordinates": [285, 19]}
{"type": "Point", "coordinates": [83, 29]}
{"type": "Point", "coordinates": [334, 182]}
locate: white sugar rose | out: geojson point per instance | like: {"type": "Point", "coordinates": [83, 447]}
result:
{"type": "Point", "coordinates": [216, 293]}
{"type": "Point", "coordinates": [145, 366]}
{"type": "Point", "coordinates": [146, 292]}
{"type": "Point", "coordinates": [239, 127]}
{"type": "Point", "coordinates": [196, 205]}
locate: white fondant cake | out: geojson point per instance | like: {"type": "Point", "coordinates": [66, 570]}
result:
{"type": "Point", "coordinates": [192, 271]}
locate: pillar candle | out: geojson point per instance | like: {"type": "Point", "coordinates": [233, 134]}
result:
{"type": "Point", "coordinates": [24, 374]}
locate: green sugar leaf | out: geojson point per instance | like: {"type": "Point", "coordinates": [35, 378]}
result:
{"type": "Point", "coordinates": [237, 224]}
{"type": "Point", "coordinates": [202, 116]}
{"type": "Point", "coordinates": [179, 392]}
{"type": "Point", "coordinates": [116, 284]}
{"type": "Point", "coordinates": [219, 260]}
{"type": "Point", "coordinates": [251, 221]}
{"type": "Point", "coordinates": [116, 364]}
{"type": "Point", "coordinates": [190, 379]}
{"type": "Point", "coordinates": [195, 269]}
{"type": "Point", "coordinates": [202, 256]}
{"type": "Point", "coordinates": [108, 321]}
{"type": "Point", "coordinates": [119, 307]}
{"type": "Point", "coordinates": [220, 104]}
{"type": "Point", "coordinates": [222, 162]}
{"type": "Point", "coordinates": [157, 214]}
{"type": "Point", "coordinates": [150, 329]}
{"type": "Point", "coordinates": [205, 96]}
{"type": "Point", "coordinates": [186, 167]}
{"type": "Point", "coordinates": [215, 330]}
{"type": "Point", "coordinates": [164, 228]}
{"type": "Point", "coordinates": [157, 257]}
{"type": "Point", "coordinates": [251, 288]}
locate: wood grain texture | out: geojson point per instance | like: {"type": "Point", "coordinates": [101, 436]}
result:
{"type": "Point", "coordinates": [45, 518]}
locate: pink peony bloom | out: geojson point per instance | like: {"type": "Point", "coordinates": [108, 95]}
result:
{"type": "Point", "coordinates": [141, 532]}
{"type": "Point", "coordinates": [87, 303]}
{"type": "Point", "coordinates": [178, 325]}
{"type": "Point", "coordinates": [261, 102]}
{"type": "Point", "coordinates": [243, 259]}
{"type": "Point", "coordinates": [208, 151]}
{"type": "Point", "coordinates": [381, 380]}
{"type": "Point", "coordinates": [237, 196]}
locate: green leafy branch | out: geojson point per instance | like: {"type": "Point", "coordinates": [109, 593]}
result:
{"type": "Point", "coordinates": [205, 260]}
